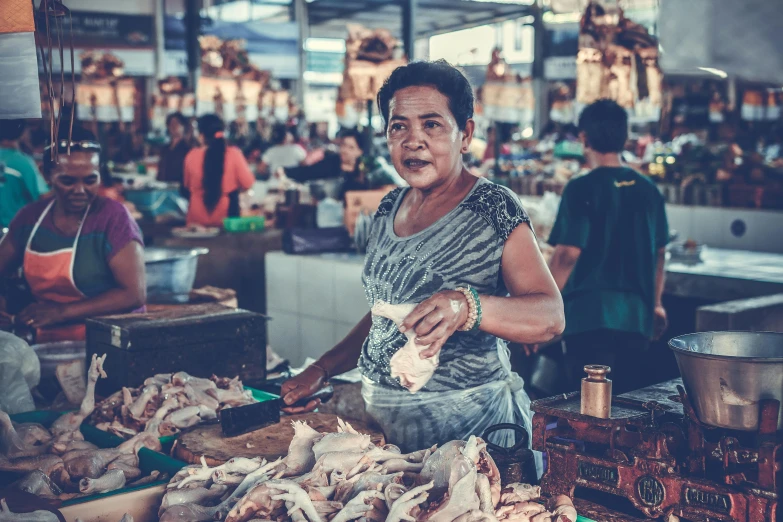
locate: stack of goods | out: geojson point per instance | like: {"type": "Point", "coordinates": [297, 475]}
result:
{"type": "Point", "coordinates": [342, 476]}
{"type": "Point", "coordinates": [617, 59]}
{"type": "Point", "coordinates": [58, 463]}
{"type": "Point", "coordinates": [103, 94]}
{"type": "Point", "coordinates": [506, 96]}
{"type": "Point", "coordinates": [370, 57]}
{"type": "Point", "coordinates": [230, 81]}
{"type": "Point", "coordinates": [168, 403]}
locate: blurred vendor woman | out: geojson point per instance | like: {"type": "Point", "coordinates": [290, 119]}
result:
{"type": "Point", "coordinates": [82, 255]}
{"type": "Point", "coordinates": [215, 174]}
{"type": "Point", "coordinates": [346, 165]}
{"type": "Point", "coordinates": [461, 250]}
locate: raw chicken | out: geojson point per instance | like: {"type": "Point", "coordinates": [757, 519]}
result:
{"type": "Point", "coordinates": [191, 496]}
{"type": "Point", "coordinates": [406, 364]}
{"type": "Point", "coordinates": [402, 507]}
{"type": "Point", "coordinates": [72, 421]}
{"type": "Point", "coordinates": [51, 465]}
{"type": "Point", "coordinates": [140, 404]}
{"type": "Point", "coordinates": [11, 444]}
{"type": "Point", "coordinates": [32, 433]}
{"type": "Point", "coordinates": [301, 457]}
{"type": "Point", "coordinates": [38, 483]}
{"type": "Point", "coordinates": [109, 481]}
{"type": "Point", "coordinates": [36, 516]}
{"type": "Point", "coordinates": [345, 441]}
{"type": "Point", "coordinates": [358, 506]}
{"type": "Point", "coordinates": [461, 497]}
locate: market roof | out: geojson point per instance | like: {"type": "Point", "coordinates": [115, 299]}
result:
{"type": "Point", "coordinates": [328, 17]}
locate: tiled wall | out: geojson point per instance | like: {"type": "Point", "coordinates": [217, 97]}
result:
{"type": "Point", "coordinates": [302, 301]}
{"type": "Point", "coordinates": [763, 230]}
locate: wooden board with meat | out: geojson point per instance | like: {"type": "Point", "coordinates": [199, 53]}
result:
{"type": "Point", "coordinates": [343, 475]}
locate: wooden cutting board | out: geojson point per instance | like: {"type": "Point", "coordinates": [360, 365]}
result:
{"type": "Point", "coordinates": [270, 442]}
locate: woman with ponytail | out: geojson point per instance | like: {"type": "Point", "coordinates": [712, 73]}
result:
{"type": "Point", "coordinates": [215, 174]}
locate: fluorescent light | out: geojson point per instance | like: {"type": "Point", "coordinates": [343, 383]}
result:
{"type": "Point", "coordinates": [716, 72]}
{"type": "Point", "coordinates": [327, 45]}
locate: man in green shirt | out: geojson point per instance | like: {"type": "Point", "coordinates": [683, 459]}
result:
{"type": "Point", "coordinates": [610, 237]}
{"type": "Point", "coordinates": [20, 181]}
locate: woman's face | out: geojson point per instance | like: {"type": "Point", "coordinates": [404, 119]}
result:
{"type": "Point", "coordinates": [176, 129]}
{"type": "Point", "coordinates": [349, 151]}
{"type": "Point", "coordinates": [76, 179]}
{"type": "Point", "coordinates": [425, 142]}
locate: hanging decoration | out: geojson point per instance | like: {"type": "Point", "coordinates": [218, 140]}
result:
{"type": "Point", "coordinates": [617, 59]}
{"type": "Point", "coordinates": [104, 89]}
{"type": "Point", "coordinates": [56, 24]}
{"type": "Point", "coordinates": [370, 57]}
{"type": "Point", "coordinates": [229, 80]}
{"type": "Point", "coordinates": [506, 96]}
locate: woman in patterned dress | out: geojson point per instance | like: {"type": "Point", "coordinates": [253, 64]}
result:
{"type": "Point", "coordinates": [447, 230]}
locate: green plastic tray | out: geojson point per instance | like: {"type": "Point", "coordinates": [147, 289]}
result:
{"type": "Point", "coordinates": [244, 224]}
{"type": "Point", "coordinates": [148, 460]}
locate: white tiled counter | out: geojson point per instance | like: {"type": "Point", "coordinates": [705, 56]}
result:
{"type": "Point", "coordinates": [313, 302]}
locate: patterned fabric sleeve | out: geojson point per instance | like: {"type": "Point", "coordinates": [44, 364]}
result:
{"type": "Point", "coordinates": [499, 207]}
{"type": "Point", "coordinates": [387, 203]}
{"type": "Point", "coordinates": [121, 228]}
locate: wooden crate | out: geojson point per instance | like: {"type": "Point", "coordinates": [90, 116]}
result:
{"type": "Point", "coordinates": [201, 339]}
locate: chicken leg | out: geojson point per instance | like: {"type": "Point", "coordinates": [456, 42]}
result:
{"type": "Point", "coordinates": [73, 420]}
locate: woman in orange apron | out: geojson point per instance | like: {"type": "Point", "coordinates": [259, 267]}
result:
{"type": "Point", "coordinates": [50, 277]}
{"type": "Point", "coordinates": [81, 254]}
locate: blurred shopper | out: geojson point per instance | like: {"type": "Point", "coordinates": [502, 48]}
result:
{"type": "Point", "coordinates": [345, 165]}
{"type": "Point", "coordinates": [284, 153]}
{"type": "Point", "coordinates": [610, 237]}
{"type": "Point", "coordinates": [20, 181]}
{"type": "Point", "coordinates": [215, 174]}
{"type": "Point", "coordinates": [171, 166]}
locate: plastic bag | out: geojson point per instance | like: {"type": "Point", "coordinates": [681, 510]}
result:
{"type": "Point", "coordinates": [20, 371]}
{"type": "Point", "coordinates": [420, 420]}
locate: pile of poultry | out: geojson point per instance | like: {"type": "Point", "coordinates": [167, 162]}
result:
{"type": "Point", "coordinates": [58, 463]}
{"type": "Point", "coordinates": [168, 403]}
{"type": "Point", "coordinates": [339, 477]}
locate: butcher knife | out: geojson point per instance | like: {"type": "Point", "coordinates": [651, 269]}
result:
{"type": "Point", "coordinates": [242, 419]}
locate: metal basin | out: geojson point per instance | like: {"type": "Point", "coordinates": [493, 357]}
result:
{"type": "Point", "coordinates": [171, 273]}
{"type": "Point", "coordinates": [726, 374]}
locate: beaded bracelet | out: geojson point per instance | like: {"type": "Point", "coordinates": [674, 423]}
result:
{"type": "Point", "coordinates": [474, 309]}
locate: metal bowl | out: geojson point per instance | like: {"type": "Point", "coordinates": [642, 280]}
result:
{"type": "Point", "coordinates": [170, 273]}
{"type": "Point", "coordinates": [726, 374]}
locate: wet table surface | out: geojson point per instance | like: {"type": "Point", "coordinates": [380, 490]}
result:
{"type": "Point", "coordinates": [726, 274]}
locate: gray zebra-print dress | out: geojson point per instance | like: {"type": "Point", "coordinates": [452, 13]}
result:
{"type": "Point", "coordinates": [462, 248]}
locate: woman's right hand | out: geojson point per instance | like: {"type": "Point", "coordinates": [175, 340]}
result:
{"type": "Point", "coordinates": [303, 385]}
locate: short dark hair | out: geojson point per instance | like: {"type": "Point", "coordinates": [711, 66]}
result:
{"type": "Point", "coordinates": [356, 135]}
{"type": "Point", "coordinates": [177, 116]}
{"type": "Point", "coordinates": [11, 130]}
{"type": "Point", "coordinates": [82, 140]}
{"type": "Point", "coordinates": [605, 125]}
{"type": "Point", "coordinates": [447, 79]}
{"type": "Point", "coordinates": [279, 132]}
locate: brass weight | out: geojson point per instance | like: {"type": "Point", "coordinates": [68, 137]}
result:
{"type": "Point", "coordinates": [596, 392]}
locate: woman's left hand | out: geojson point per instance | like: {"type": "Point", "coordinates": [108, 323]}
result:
{"type": "Point", "coordinates": [39, 315]}
{"type": "Point", "coordinates": [436, 319]}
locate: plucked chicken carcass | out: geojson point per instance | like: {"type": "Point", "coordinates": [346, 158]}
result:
{"type": "Point", "coordinates": [168, 403]}
{"type": "Point", "coordinates": [59, 463]}
{"type": "Point", "coordinates": [406, 364]}
{"type": "Point", "coordinates": [343, 476]}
